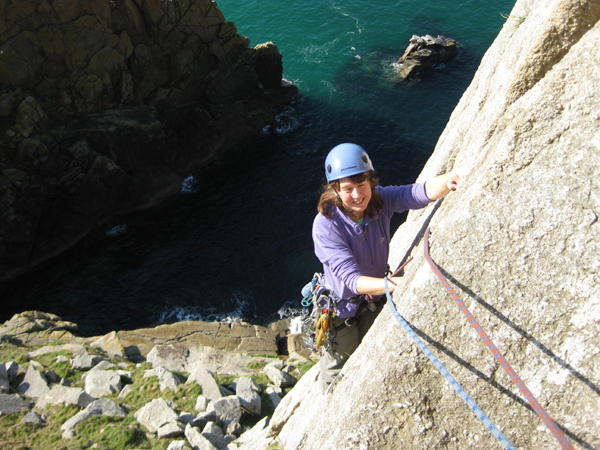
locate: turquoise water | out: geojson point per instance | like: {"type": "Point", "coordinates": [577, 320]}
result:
{"type": "Point", "coordinates": [236, 244]}
{"type": "Point", "coordinates": [320, 38]}
{"type": "Point", "coordinates": [342, 54]}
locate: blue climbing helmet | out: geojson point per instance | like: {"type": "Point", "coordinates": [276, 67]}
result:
{"type": "Point", "coordinates": [345, 160]}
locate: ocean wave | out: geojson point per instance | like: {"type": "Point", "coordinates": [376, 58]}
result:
{"type": "Point", "coordinates": [319, 53]}
{"type": "Point", "coordinates": [285, 122]}
{"type": "Point", "coordinates": [296, 313]}
{"type": "Point", "coordinates": [287, 310]}
{"type": "Point", "coordinates": [117, 230]}
{"type": "Point", "coordinates": [391, 71]}
{"type": "Point", "coordinates": [189, 185]}
{"type": "Point", "coordinates": [240, 305]}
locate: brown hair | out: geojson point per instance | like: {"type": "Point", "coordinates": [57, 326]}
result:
{"type": "Point", "coordinates": [330, 197]}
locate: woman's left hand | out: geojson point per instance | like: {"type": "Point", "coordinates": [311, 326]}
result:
{"type": "Point", "coordinates": [441, 185]}
{"type": "Point", "coordinates": [453, 181]}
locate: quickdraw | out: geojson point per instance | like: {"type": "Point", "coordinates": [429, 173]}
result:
{"type": "Point", "coordinates": [323, 326]}
{"type": "Point", "coordinates": [550, 424]}
{"type": "Point", "coordinates": [318, 325]}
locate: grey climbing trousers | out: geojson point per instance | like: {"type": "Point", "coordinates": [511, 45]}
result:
{"type": "Point", "coordinates": [347, 339]}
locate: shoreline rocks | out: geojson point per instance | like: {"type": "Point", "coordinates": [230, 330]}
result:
{"type": "Point", "coordinates": [424, 52]}
{"type": "Point", "coordinates": [179, 362]}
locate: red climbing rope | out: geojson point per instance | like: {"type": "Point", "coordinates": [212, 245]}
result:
{"type": "Point", "coordinates": [552, 426]}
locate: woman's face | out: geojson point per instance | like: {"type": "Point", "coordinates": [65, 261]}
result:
{"type": "Point", "coordinates": [355, 197]}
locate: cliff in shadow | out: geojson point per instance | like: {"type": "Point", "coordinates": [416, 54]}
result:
{"type": "Point", "coordinates": [518, 243]}
{"type": "Point", "coordinates": [105, 106]}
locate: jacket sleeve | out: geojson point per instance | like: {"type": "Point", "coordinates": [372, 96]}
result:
{"type": "Point", "coordinates": [402, 198]}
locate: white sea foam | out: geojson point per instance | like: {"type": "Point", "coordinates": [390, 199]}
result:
{"type": "Point", "coordinates": [391, 72]}
{"type": "Point", "coordinates": [296, 325]}
{"type": "Point", "coordinates": [291, 309]}
{"type": "Point", "coordinates": [296, 313]}
{"type": "Point", "coordinates": [179, 314]}
{"type": "Point", "coordinates": [188, 186]}
{"type": "Point", "coordinates": [117, 230]}
{"type": "Point", "coordinates": [286, 121]}
{"type": "Point", "coordinates": [240, 303]}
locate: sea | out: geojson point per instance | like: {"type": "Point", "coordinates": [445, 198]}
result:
{"type": "Point", "coordinates": [235, 244]}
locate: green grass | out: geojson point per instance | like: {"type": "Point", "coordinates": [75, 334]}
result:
{"type": "Point", "coordinates": [304, 367]}
{"type": "Point", "coordinates": [109, 432]}
{"type": "Point", "coordinates": [62, 368]}
{"type": "Point", "coordinates": [28, 436]}
{"type": "Point", "coordinates": [275, 445]}
{"type": "Point", "coordinates": [224, 379]}
{"type": "Point", "coordinates": [261, 379]}
{"type": "Point", "coordinates": [147, 389]}
{"type": "Point", "coordinates": [257, 364]}
{"type": "Point", "coordinates": [518, 19]}
{"type": "Point", "coordinates": [106, 432]}
{"type": "Point", "coordinates": [10, 352]}
{"type": "Point", "coordinates": [113, 433]}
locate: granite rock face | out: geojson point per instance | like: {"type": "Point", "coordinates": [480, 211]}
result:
{"type": "Point", "coordinates": [519, 244]}
{"type": "Point", "coordinates": [106, 106]}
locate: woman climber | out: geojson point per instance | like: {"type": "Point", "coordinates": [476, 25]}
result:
{"type": "Point", "coordinates": [351, 234]}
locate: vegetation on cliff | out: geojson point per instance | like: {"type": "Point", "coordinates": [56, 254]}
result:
{"type": "Point", "coordinates": [50, 379]}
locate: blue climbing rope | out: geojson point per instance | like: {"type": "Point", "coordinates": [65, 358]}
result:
{"type": "Point", "coordinates": [457, 387]}
{"type": "Point", "coordinates": [550, 424]}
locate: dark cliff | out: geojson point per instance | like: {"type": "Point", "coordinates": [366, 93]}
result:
{"type": "Point", "coordinates": [105, 106]}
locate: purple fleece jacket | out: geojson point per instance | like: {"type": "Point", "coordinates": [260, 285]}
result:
{"type": "Point", "coordinates": [348, 251]}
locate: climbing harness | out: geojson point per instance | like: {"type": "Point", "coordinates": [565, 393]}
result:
{"type": "Point", "coordinates": [329, 313]}
{"type": "Point", "coordinates": [457, 387]}
{"type": "Point", "coordinates": [550, 424]}
{"type": "Point", "coordinates": [320, 325]}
